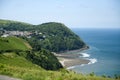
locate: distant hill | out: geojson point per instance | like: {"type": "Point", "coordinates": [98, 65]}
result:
{"type": "Point", "coordinates": [13, 43]}
{"type": "Point", "coordinates": [52, 36]}
{"type": "Point", "coordinates": [59, 37]}
{"type": "Point", "coordinates": [14, 25]}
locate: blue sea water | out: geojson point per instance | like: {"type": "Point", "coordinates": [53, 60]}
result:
{"type": "Point", "coordinates": [104, 51]}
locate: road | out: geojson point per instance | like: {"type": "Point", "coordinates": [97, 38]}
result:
{"type": "Point", "coordinates": [3, 77]}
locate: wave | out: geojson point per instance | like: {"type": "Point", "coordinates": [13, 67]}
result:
{"type": "Point", "coordinates": [85, 55]}
{"type": "Point", "coordinates": [92, 61]}
{"type": "Point", "coordinates": [82, 64]}
{"type": "Point", "coordinates": [71, 67]}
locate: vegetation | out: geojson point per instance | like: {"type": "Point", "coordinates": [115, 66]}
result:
{"type": "Point", "coordinates": [57, 37]}
{"type": "Point", "coordinates": [19, 59]}
{"type": "Point", "coordinates": [15, 65]}
{"type": "Point", "coordinates": [52, 36]}
{"type": "Point", "coordinates": [14, 25]}
{"type": "Point", "coordinates": [10, 44]}
{"type": "Point", "coordinates": [45, 59]}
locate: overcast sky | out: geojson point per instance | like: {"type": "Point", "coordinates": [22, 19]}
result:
{"type": "Point", "coordinates": [73, 13]}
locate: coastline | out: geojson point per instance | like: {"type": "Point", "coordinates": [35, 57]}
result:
{"type": "Point", "coordinates": [76, 50]}
{"type": "Point", "coordinates": [72, 62]}
{"type": "Point", "coordinates": [69, 59]}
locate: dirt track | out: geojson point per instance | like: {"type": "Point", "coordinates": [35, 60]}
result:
{"type": "Point", "coordinates": [3, 77]}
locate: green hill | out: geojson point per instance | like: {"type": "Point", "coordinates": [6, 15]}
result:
{"type": "Point", "coordinates": [14, 25]}
{"type": "Point", "coordinates": [13, 43]}
{"type": "Point", "coordinates": [58, 37]}
{"type": "Point", "coordinates": [52, 36]}
{"type": "Point", "coordinates": [43, 58]}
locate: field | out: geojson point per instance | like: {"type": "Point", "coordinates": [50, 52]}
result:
{"type": "Point", "coordinates": [13, 43]}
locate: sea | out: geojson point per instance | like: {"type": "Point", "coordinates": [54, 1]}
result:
{"type": "Point", "coordinates": [104, 51]}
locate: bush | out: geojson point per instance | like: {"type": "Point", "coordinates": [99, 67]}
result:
{"type": "Point", "coordinates": [45, 59]}
{"type": "Point", "coordinates": [92, 74]}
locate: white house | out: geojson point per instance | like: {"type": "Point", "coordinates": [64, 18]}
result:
{"type": "Point", "coordinates": [5, 35]}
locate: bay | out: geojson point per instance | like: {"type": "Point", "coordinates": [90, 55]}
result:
{"type": "Point", "coordinates": [104, 51]}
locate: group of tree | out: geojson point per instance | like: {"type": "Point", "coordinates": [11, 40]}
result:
{"type": "Point", "coordinates": [45, 59]}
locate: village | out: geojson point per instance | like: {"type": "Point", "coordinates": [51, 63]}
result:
{"type": "Point", "coordinates": [5, 33]}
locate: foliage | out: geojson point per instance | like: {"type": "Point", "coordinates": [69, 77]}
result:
{"type": "Point", "coordinates": [18, 60]}
{"type": "Point", "coordinates": [45, 59]}
{"type": "Point", "coordinates": [17, 66]}
{"type": "Point", "coordinates": [14, 25]}
{"type": "Point", "coordinates": [52, 36]}
{"type": "Point", "coordinates": [24, 65]}
{"type": "Point", "coordinates": [58, 37]}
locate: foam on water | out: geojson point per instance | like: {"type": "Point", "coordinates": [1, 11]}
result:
{"type": "Point", "coordinates": [92, 61]}
{"type": "Point", "coordinates": [82, 64]}
{"type": "Point", "coordinates": [71, 67]}
{"type": "Point", "coordinates": [85, 55]}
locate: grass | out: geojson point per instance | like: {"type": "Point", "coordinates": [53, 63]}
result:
{"type": "Point", "coordinates": [13, 43]}
{"type": "Point", "coordinates": [14, 65]}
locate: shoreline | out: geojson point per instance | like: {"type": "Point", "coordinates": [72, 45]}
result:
{"type": "Point", "coordinates": [73, 62]}
{"type": "Point", "coordinates": [69, 59]}
{"type": "Point", "coordinates": [76, 50]}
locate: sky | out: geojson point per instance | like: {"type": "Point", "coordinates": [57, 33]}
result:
{"type": "Point", "coordinates": [72, 13]}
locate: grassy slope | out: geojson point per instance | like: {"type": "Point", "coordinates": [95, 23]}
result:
{"type": "Point", "coordinates": [14, 65]}
{"type": "Point", "coordinates": [13, 43]}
